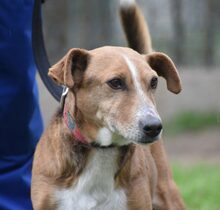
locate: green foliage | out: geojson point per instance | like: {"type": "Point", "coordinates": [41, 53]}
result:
{"type": "Point", "coordinates": [192, 121]}
{"type": "Point", "coordinates": [199, 185]}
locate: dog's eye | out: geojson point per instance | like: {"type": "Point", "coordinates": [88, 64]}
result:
{"type": "Point", "coordinates": [116, 84]}
{"type": "Point", "coordinates": [153, 83]}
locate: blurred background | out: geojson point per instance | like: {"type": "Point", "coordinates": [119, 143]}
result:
{"type": "Point", "coordinates": [189, 32]}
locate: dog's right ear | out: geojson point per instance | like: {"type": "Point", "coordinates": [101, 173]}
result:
{"type": "Point", "coordinates": [69, 70]}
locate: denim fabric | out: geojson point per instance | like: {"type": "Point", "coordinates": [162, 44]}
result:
{"type": "Point", "coordinates": [20, 119]}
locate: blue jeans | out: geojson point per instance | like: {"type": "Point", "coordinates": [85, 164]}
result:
{"type": "Point", "coordinates": [20, 119]}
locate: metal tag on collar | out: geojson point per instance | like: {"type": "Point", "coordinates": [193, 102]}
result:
{"type": "Point", "coordinates": [63, 97]}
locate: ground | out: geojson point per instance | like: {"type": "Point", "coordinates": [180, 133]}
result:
{"type": "Point", "coordinates": [201, 147]}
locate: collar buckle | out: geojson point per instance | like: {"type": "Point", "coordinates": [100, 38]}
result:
{"type": "Point", "coordinates": [63, 97]}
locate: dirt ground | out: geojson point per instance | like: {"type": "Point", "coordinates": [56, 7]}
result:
{"type": "Point", "coordinates": [195, 147]}
{"type": "Point", "coordinates": [200, 93]}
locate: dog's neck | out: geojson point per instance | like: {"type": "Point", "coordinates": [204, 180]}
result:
{"type": "Point", "coordinates": [69, 110]}
{"type": "Point", "coordinates": [72, 126]}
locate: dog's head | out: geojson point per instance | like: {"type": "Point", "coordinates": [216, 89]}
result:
{"type": "Point", "coordinates": [112, 92]}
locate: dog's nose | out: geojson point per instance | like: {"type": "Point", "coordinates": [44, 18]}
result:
{"type": "Point", "coordinates": [152, 130]}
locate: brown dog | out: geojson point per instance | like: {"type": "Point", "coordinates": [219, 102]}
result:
{"type": "Point", "coordinates": [97, 153]}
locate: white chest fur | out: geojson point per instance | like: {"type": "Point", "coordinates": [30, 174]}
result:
{"type": "Point", "coordinates": [95, 187]}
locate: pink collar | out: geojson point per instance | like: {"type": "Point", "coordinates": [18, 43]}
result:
{"type": "Point", "coordinates": [71, 124]}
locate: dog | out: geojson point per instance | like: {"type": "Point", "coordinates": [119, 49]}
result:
{"type": "Point", "coordinates": [103, 148]}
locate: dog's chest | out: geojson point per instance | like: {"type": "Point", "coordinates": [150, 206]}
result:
{"type": "Point", "coordinates": [95, 188]}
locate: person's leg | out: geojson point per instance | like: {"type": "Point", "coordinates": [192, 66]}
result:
{"type": "Point", "coordinates": [20, 119]}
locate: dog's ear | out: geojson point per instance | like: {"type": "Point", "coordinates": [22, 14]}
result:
{"type": "Point", "coordinates": [165, 67]}
{"type": "Point", "coordinates": [68, 71]}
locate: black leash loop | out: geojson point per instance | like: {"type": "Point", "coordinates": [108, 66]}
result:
{"type": "Point", "coordinates": [40, 54]}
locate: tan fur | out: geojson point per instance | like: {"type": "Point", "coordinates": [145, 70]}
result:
{"type": "Point", "coordinates": [168, 196]}
{"type": "Point", "coordinates": [57, 163]}
{"type": "Point", "coordinates": [138, 177]}
{"type": "Point", "coordinates": [143, 171]}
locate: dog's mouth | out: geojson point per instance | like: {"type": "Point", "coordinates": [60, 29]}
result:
{"type": "Point", "coordinates": [149, 140]}
{"type": "Point", "coordinates": [118, 140]}
{"type": "Point", "coordinates": [143, 139]}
